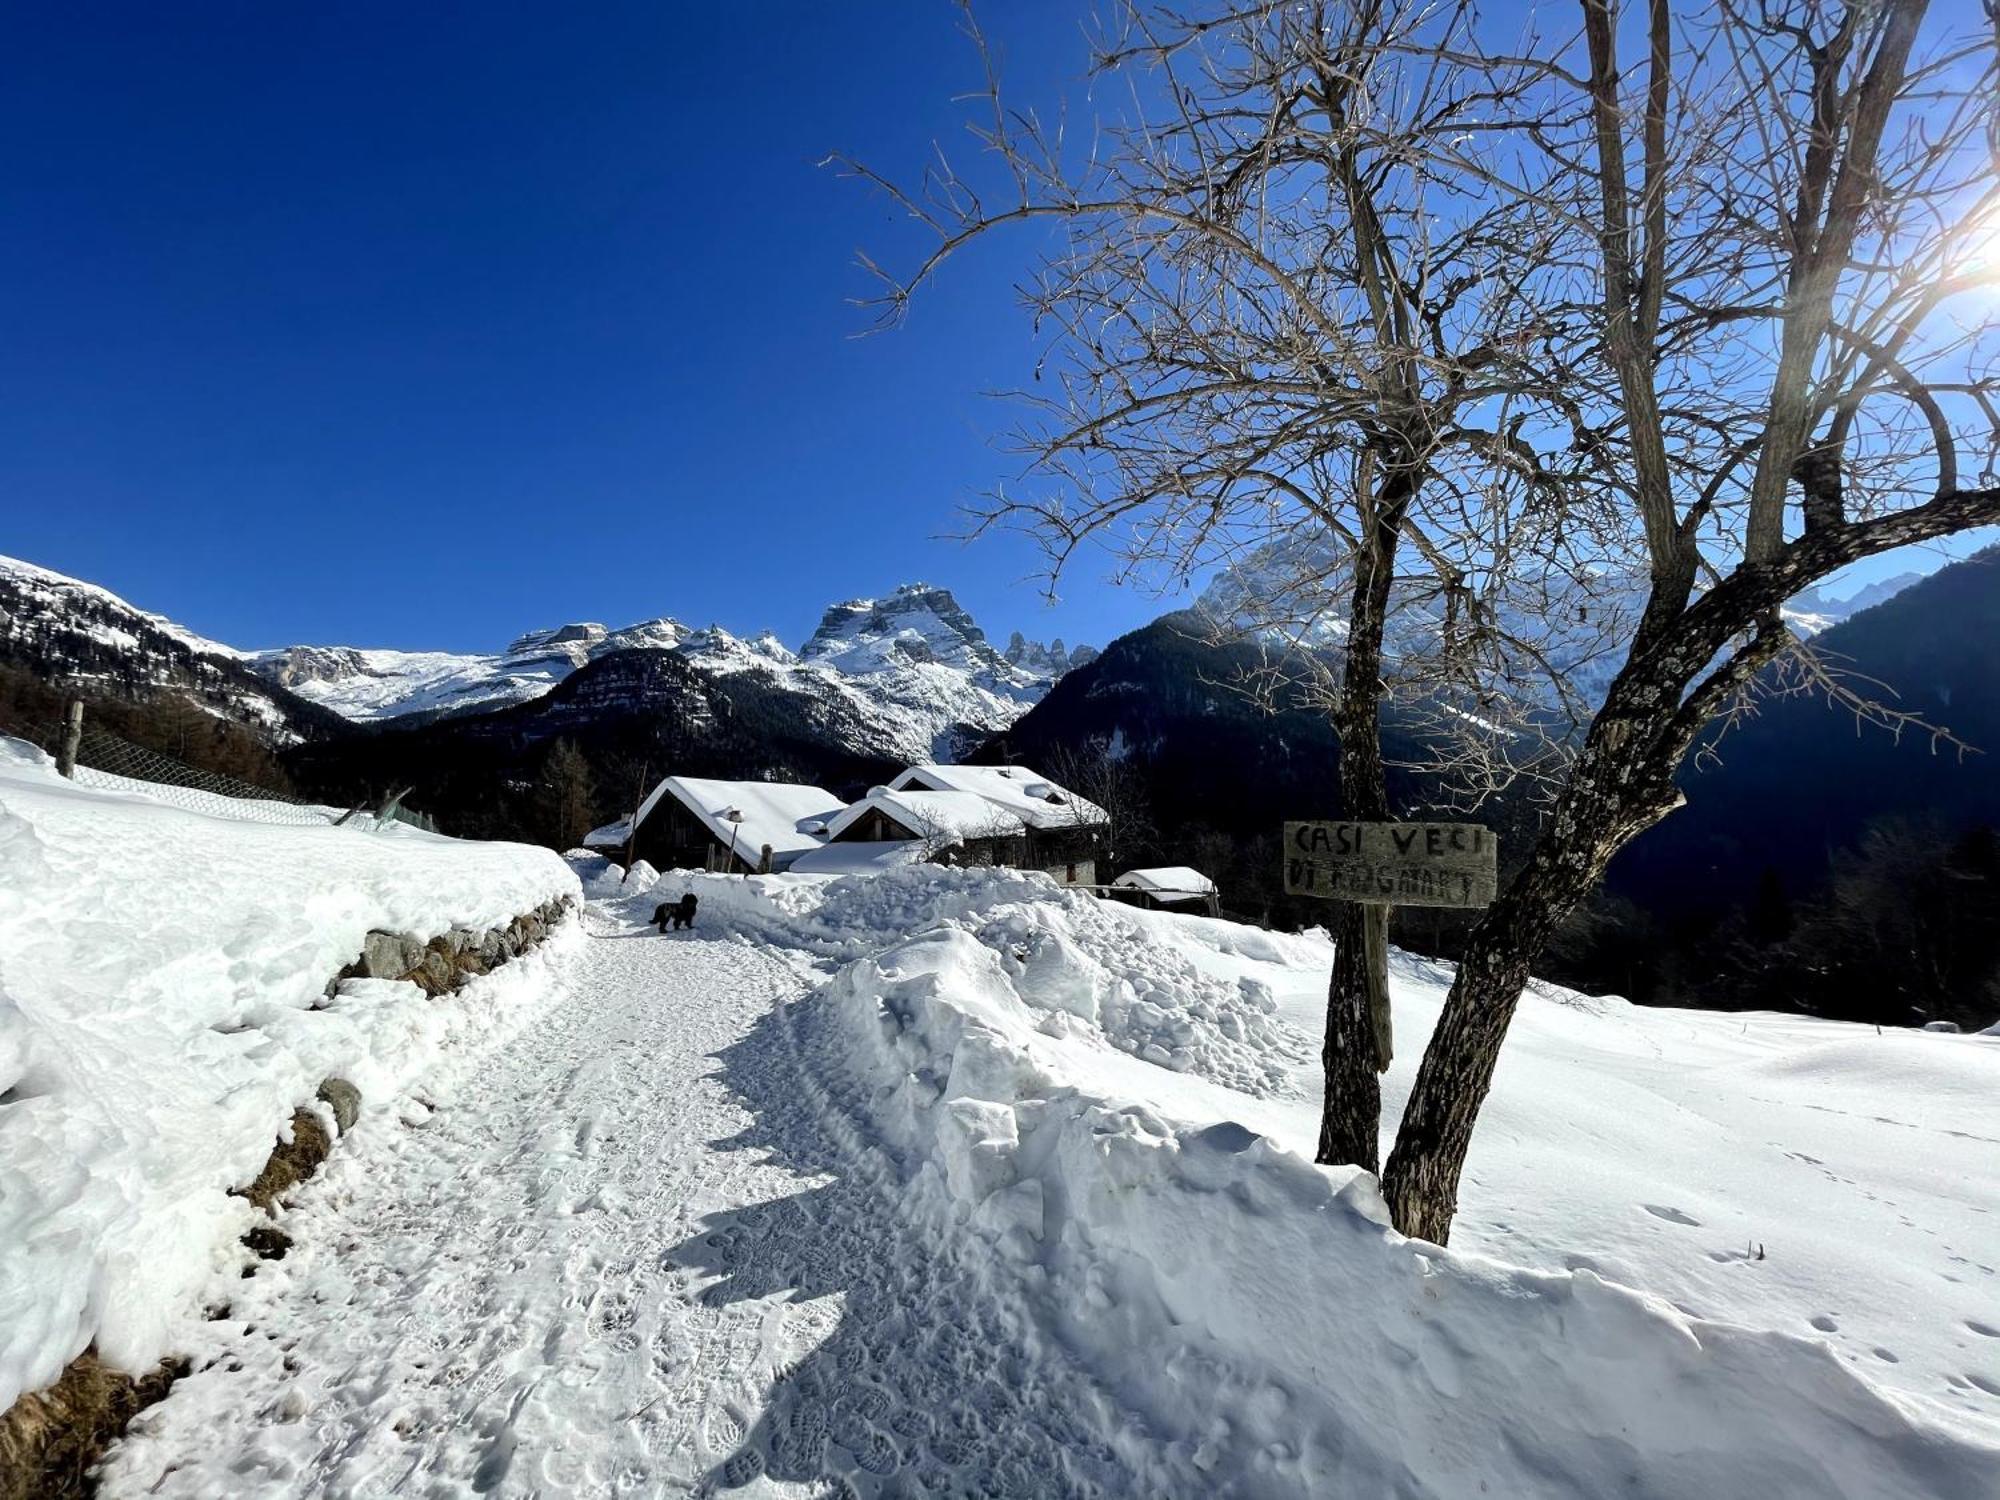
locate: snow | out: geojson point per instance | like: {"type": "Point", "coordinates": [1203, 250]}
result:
{"type": "Point", "coordinates": [907, 677]}
{"type": "Point", "coordinates": [1168, 882]}
{"type": "Point", "coordinates": [952, 815]}
{"type": "Point", "coordinates": [162, 1014]}
{"type": "Point", "coordinates": [611, 835]}
{"type": "Point", "coordinates": [950, 1181]}
{"type": "Point", "coordinates": [858, 857]}
{"type": "Point", "coordinates": [1697, 1253]}
{"type": "Point", "coordinates": [369, 684]}
{"type": "Point", "coordinates": [900, 704]}
{"type": "Point", "coordinates": [1291, 593]}
{"type": "Point", "coordinates": [65, 627]}
{"type": "Point", "coordinates": [1033, 798]}
{"type": "Point", "coordinates": [56, 593]}
{"type": "Point", "coordinates": [629, 1253]}
{"type": "Point", "coordinates": [906, 680]}
{"type": "Point", "coordinates": [919, 625]}
{"type": "Point", "coordinates": [748, 816]}
{"type": "Point", "coordinates": [1820, 609]}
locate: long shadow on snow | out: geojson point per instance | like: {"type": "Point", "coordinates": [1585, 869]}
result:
{"type": "Point", "coordinates": [927, 1386]}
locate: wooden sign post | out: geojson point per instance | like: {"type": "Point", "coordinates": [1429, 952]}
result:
{"type": "Point", "coordinates": [1384, 865]}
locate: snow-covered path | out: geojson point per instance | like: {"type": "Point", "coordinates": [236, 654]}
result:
{"type": "Point", "coordinates": [624, 1255]}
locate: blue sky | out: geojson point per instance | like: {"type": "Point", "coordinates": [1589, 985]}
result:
{"type": "Point", "coordinates": [423, 325]}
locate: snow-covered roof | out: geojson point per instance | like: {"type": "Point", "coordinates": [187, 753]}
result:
{"type": "Point", "coordinates": [859, 858]}
{"type": "Point", "coordinates": [948, 814]}
{"type": "Point", "coordinates": [1168, 883]}
{"type": "Point", "coordinates": [744, 816]}
{"type": "Point", "coordinates": [609, 835]}
{"type": "Point", "coordinates": [1028, 795]}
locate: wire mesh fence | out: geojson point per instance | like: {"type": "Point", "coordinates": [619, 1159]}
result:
{"type": "Point", "coordinates": [111, 762]}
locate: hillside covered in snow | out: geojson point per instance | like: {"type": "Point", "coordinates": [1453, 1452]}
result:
{"type": "Point", "coordinates": [911, 674]}
{"type": "Point", "coordinates": [56, 626]}
{"type": "Point", "coordinates": [169, 995]}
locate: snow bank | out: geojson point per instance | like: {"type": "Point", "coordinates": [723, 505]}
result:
{"type": "Point", "coordinates": [841, 917]}
{"type": "Point", "coordinates": [1101, 973]}
{"type": "Point", "coordinates": [161, 1016]}
{"type": "Point", "coordinates": [1104, 1107]}
{"type": "Point", "coordinates": [1262, 1305]}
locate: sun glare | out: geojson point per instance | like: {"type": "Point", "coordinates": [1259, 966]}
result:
{"type": "Point", "coordinates": [1977, 252]}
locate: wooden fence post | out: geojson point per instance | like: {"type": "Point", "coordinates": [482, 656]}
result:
{"type": "Point", "coordinates": [72, 740]}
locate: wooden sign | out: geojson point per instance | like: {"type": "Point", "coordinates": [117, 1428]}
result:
{"type": "Point", "coordinates": [1393, 864]}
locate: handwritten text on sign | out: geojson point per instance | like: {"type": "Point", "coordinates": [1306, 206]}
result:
{"type": "Point", "coordinates": [1395, 864]}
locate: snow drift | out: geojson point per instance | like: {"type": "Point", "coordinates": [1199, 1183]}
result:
{"type": "Point", "coordinates": [162, 1012]}
{"type": "Point", "coordinates": [1111, 1110]}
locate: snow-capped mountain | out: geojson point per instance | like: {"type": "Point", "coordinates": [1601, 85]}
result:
{"type": "Point", "coordinates": [1815, 610]}
{"type": "Point", "coordinates": [1051, 660]}
{"type": "Point", "coordinates": [909, 676]}
{"type": "Point", "coordinates": [366, 684]}
{"type": "Point", "coordinates": [1292, 594]}
{"type": "Point", "coordinates": [62, 627]}
{"type": "Point", "coordinates": [917, 625]}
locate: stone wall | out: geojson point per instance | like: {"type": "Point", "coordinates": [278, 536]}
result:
{"type": "Point", "coordinates": [50, 1439]}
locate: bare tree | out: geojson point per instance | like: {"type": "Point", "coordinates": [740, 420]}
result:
{"type": "Point", "coordinates": [1108, 783]}
{"type": "Point", "coordinates": [1272, 321]}
{"type": "Point", "coordinates": [1787, 396]}
{"type": "Point", "coordinates": [1614, 368]}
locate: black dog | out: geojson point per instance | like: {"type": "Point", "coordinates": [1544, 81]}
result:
{"type": "Point", "coordinates": [680, 913]}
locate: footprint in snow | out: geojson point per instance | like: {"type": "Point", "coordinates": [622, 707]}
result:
{"type": "Point", "coordinates": [1671, 1215]}
{"type": "Point", "coordinates": [1825, 1324]}
{"type": "Point", "coordinates": [742, 1466]}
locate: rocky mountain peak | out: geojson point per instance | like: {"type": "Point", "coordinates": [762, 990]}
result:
{"type": "Point", "coordinates": [293, 665]}
{"type": "Point", "coordinates": [575, 642]}
{"type": "Point", "coordinates": [1049, 661]}
{"type": "Point", "coordinates": [915, 624]}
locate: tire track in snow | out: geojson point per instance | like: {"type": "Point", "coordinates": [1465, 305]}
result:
{"type": "Point", "coordinates": [625, 1256]}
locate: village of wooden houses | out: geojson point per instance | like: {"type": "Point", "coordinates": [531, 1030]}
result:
{"type": "Point", "coordinates": [1005, 816]}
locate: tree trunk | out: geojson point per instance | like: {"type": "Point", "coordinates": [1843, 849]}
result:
{"type": "Point", "coordinates": [1350, 1126]}
{"type": "Point", "coordinates": [1421, 1184]}
{"type": "Point", "coordinates": [1351, 1116]}
{"type": "Point", "coordinates": [1621, 784]}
